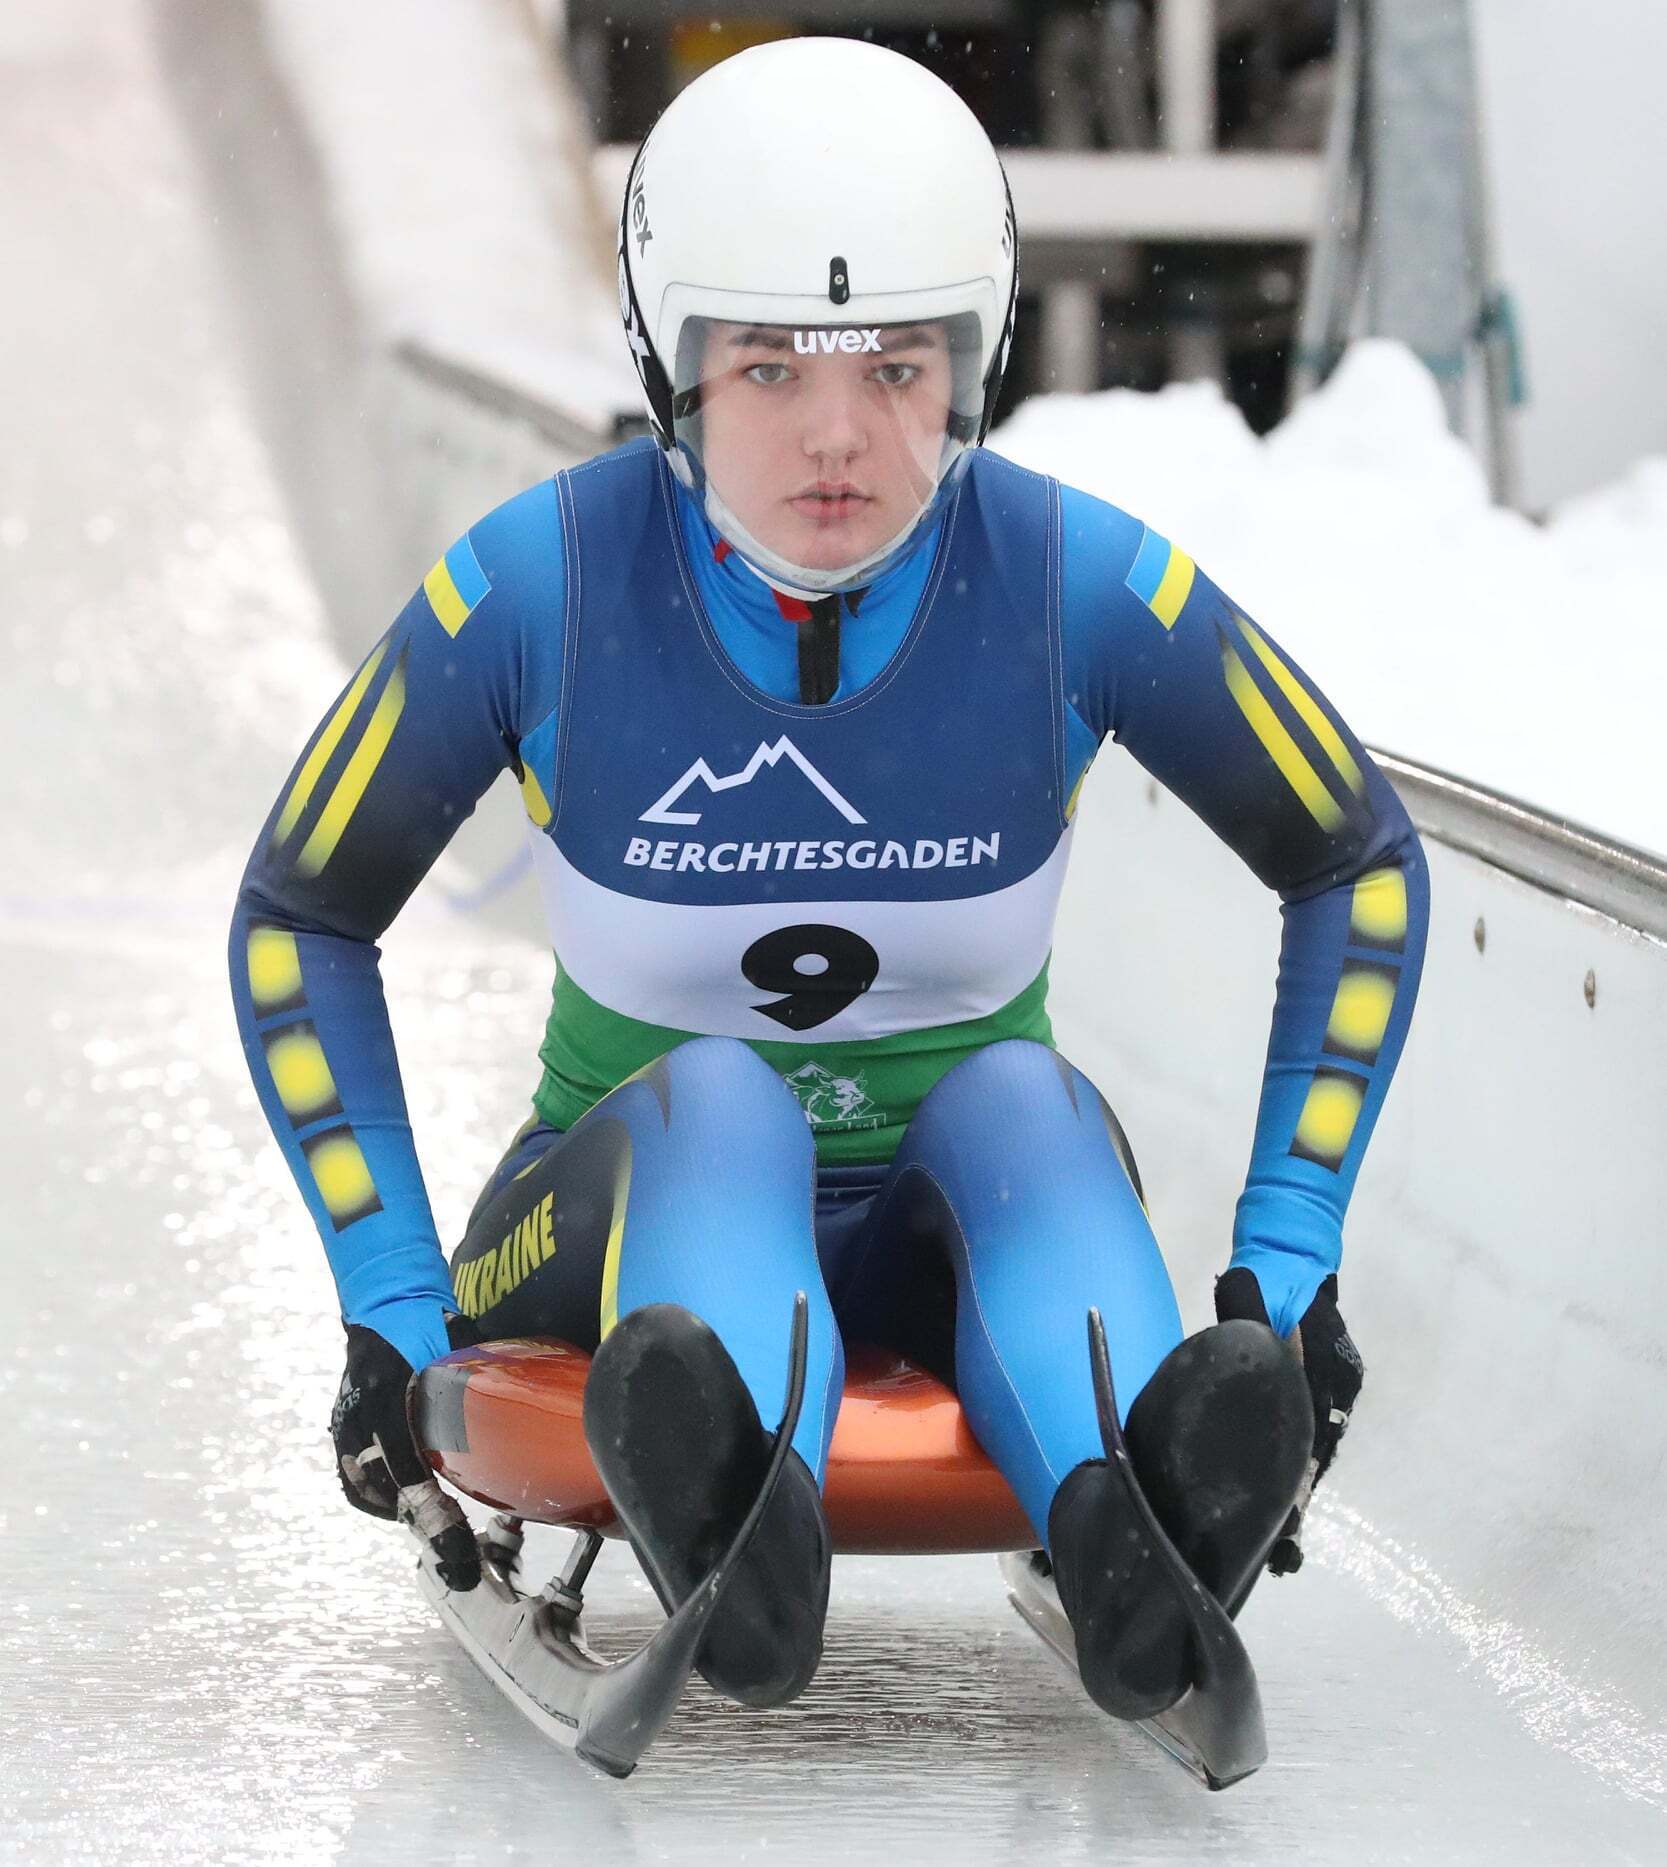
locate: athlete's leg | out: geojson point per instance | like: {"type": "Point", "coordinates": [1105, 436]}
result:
{"type": "Point", "coordinates": [1016, 1169]}
{"type": "Point", "coordinates": [690, 1184]}
{"type": "Point", "coordinates": [669, 1230]}
{"type": "Point", "coordinates": [1015, 1176]}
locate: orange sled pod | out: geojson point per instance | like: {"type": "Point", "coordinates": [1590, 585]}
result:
{"type": "Point", "coordinates": [504, 1424]}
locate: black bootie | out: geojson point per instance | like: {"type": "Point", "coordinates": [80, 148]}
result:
{"type": "Point", "coordinates": [679, 1445]}
{"type": "Point", "coordinates": [1219, 1441]}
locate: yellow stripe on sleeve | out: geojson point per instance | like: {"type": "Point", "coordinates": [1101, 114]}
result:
{"type": "Point", "coordinates": [274, 970]}
{"type": "Point", "coordinates": [448, 605]}
{"type": "Point", "coordinates": [1076, 791]}
{"type": "Point", "coordinates": [343, 1177]}
{"type": "Point", "coordinates": [1278, 743]}
{"type": "Point", "coordinates": [1378, 911]}
{"type": "Point", "coordinates": [350, 787]}
{"type": "Point", "coordinates": [1326, 1125]}
{"type": "Point", "coordinates": [301, 1075]}
{"type": "Point", "coordinates": [1360, 1011]}
{"type": "Point", "coordinates": [301, 791]}
{"type": "Point", "coordinates": [1170, 597]}
{"type": "Point", "coordinates": [1307, 709]}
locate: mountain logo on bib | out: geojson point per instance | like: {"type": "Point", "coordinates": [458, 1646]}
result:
{"type": "Point", "coordinates": [700, 773]}
{"type": "Point", "coordinates": [830, 1100]}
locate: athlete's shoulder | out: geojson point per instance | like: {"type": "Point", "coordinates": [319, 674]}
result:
{"type": "Point", "coordinates": [608, 500]}
{"type": "Point", "coordinates": [988, 467]}
{"type": "Point", "coordinates": [1117, 574]}
{"type": "Point", "coordinates": [1118, 569]}
{"type": "Point", "coordinates": [1101, 541]}
{"type": "Point", "coordinates": [501, 575]}
{"type": "Point", "coordinates": [637, 458]}
{"type": "Point", "coordinates": [507, 575]}
{"type": "Point", "coordinates": [488, 617]}
{"type": "Point", "coordinates": [516, 546]}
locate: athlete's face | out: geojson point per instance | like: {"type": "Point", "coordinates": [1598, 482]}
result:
{"type": "Point", "coordinates": [823, 453]}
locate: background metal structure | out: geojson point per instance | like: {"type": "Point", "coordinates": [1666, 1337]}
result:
{"type": "Point", "coordinates": [1402, 246]}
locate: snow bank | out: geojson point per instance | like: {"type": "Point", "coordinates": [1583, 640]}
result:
{"type": "Point", "coordinates": [1445, 628]}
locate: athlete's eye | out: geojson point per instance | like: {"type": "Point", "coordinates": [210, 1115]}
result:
{"type": "Point", "coordinates": [896, 375]}
{"type": "Point", "coordinates": [766, 374]}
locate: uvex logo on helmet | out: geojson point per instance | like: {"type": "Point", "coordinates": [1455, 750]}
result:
{"type": "Point", "coordinates": [807, 343]}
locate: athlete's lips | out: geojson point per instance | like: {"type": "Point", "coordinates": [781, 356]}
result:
{"type": "Point", "coordinates": [828, 500]}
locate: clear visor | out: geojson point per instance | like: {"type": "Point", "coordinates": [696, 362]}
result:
{"type": "Point", "coordinates": [820, 448]}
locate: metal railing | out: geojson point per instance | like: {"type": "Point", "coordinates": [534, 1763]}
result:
{"type": "Point", "coordinates": [1567, 859]}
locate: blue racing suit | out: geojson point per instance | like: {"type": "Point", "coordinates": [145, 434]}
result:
{"type": "Point", "coordinates": [851, 904]}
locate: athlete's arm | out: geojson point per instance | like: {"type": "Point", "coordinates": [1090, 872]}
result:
{"type": "Point", "coordinates": [462, 687]}
{"type": "Point", "coordinates": [1159, 659]}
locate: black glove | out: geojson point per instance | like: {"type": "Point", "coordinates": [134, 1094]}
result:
{"type": "Point", "coordinates": [377, 1459]}
{"type": "Point", "coordinates": [1335, 1371]}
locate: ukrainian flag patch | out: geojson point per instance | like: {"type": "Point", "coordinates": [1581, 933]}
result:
{"type": "Point", "coordinates": [1161, 577]}
{"type": "Point", "coordinates": [456, 585]}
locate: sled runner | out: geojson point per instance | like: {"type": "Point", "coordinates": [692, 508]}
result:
{"type": "Point", "coordinates": [1215, 1731]}
{"type": "Point", "coordinates": [531, 1646]}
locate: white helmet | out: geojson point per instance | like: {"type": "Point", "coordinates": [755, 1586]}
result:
{"type": "Point", "coordinates": [815, 202]}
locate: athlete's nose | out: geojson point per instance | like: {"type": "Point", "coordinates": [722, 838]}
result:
{"type": "Point", "coordinates": [833, 426]}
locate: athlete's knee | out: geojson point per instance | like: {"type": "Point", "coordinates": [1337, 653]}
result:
{"type": "Point", "coordinates": [1017, 1077]}
{"type": "Point", "coordinates": [1013, 1068]}
{"type": "Point", "coordinates": [725, 1063]}
{"type": "Point", "coordinates": [722, 1080]}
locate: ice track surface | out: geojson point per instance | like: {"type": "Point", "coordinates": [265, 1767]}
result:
{"type": "Point", "coordinates": [204, 1656]}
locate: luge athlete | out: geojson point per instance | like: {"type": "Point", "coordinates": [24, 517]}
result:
{"type": "Point", "coordinates": [800, 695]}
